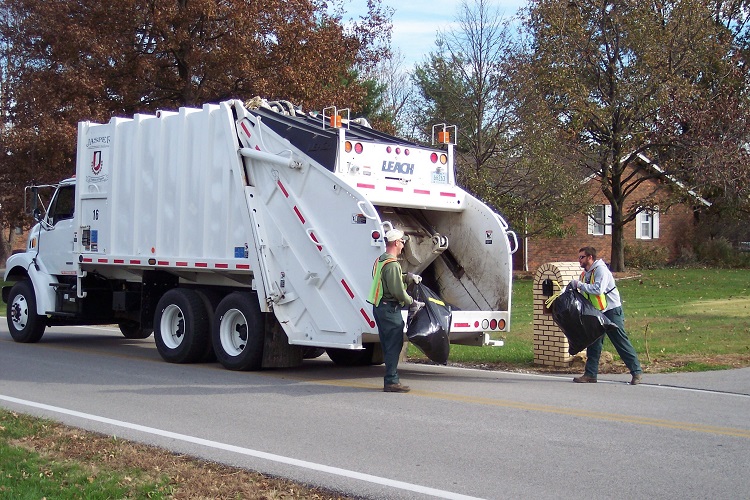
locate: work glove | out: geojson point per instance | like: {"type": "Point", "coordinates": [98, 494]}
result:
{"type": "Point", "coordinates": [415, 307]}
{"type": "Point", "coordinates": [574, 283]}
{"type": "Point", "coordinates": [413, 278]}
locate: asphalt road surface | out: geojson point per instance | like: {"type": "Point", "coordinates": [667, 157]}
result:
{"type": "Point", "coordinates": [460, 433]}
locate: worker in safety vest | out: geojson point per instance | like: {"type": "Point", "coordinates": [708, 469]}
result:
{"type": "Point", "coordinates": [598, 285]}
{"type": "Point", "coordinates": [387, 296]}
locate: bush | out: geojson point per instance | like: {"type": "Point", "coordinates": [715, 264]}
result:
{"type": "Point", "coordinates": [645, 256]}
{"type": "Point", "coordinates": [719, 252]}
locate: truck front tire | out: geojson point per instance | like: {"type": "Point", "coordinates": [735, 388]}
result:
{"type": "Point", "coordinates": [181, 327]}
{"type": "Point", "coordinates": [238, 332]}
{"type": "Point", "coordinates": [24, 324]}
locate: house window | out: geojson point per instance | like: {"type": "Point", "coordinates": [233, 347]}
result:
{"type": "Point", "coordinates": [647, 225]}
{"type": "Point", "coordinates": [600, 220]}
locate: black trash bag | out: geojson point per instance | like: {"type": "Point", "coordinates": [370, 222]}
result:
{"type": "Point", "coordinates": [579, 320]}
{"type": "Point", "coordinates": [428, 329]}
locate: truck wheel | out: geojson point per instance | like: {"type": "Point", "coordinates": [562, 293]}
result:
{"type": "Point", "coordinates": [133, 330]}
{"type": "Point", "coordinates": [181, 328]}
{"type": "Point", "coordinates": [238, 332]}
{"type": "Point", "coordinates": [211, 301]}
{"type": "Point", "coordinates": [312, 352]}
{"type": "Point", "coordinates": [24, 324]}
{"type": "Point", "coordinates": [364, 357]}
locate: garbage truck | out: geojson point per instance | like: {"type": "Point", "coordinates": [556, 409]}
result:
{"type": "Point", "coordinates": [247, 234]}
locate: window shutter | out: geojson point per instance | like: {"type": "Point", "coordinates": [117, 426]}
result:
{"type": "Point", "coordinates": [607, 219]}
{"type": "Point", "coordinates": [655, 223]}
{"type": "Point", "coordinates": [638, 224]}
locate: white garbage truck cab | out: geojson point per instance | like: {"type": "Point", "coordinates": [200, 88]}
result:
{"type": "Point", "coordinates": [248, 233]}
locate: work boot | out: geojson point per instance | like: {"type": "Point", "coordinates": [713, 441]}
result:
{"type": "Point", "coordinates": [584, 379]}
{"type": "Point", "coordinates": [636, 379]}
{"type": "Point", "coordinates": [396, 388]}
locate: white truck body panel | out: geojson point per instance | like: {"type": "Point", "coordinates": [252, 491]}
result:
{"type": "Point", "coordinates": [168, 188]}
{"type": "Point", "coordinates": [175, 192]}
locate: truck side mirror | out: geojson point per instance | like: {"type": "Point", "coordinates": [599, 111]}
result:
{"type": "Point", "coordinates": [35, 211]}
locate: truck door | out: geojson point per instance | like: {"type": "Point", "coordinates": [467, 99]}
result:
{"type": "Point", "coordinates": [56, 237]}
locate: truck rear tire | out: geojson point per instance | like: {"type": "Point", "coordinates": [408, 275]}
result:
{"type": "Point", "coordinates": [238, 332]}
{"type": "Point", "coordinates": [181, 327]}
{"type": "Point", "coordinates": [211, 300]}
{"type": "Point", "coordinates": [372, 354]}
{"type": "Point", "coordinates": [24, 324]}
{"type": "Point", "coordinates": [133, 330]}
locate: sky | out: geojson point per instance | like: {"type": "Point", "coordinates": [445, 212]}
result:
{"type": "Point", "coordinates": [416, 22]}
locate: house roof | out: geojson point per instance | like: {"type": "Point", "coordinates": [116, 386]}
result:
{"type": "Point", "coordinates": [643, 158]}
{"type": "Point", "coordinates": [674, 180]}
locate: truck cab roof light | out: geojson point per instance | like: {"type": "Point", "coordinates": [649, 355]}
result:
{"type": "Point", "coordinates": [348, 146]}
{"type": "Point", "coordinates": [434, 157]}
{"type": "Point", "coordinates": [358, 148]}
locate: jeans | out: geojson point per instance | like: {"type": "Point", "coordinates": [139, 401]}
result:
{"type": "Point", "coordinates": [621, 342]}
{"type": "Point", "coordinates": [391, 333]}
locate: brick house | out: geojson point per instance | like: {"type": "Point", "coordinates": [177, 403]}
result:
{"type": "Point", "coordinates": [671, 229]}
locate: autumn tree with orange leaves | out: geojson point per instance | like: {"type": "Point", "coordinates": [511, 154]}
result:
{"type": "Point", "coordinates": [64, 61]}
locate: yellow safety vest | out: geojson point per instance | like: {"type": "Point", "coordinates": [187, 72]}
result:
{"type": "Point", "coordinates": [376, 289]}
{"type": "Point", "coordinates": [599, 301]}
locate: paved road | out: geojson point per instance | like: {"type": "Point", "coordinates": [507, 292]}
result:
{"type": "Point", "coordinates": [459, 433]}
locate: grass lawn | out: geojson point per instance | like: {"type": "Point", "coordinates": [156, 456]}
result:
{"type": "Point", "coordinates": [677, 319]}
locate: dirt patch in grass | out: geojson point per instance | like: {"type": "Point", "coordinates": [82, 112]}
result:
{"type": "Point", "coordinates": [659, 364]}
{"type": "Point", "coordinates": [178, 476]}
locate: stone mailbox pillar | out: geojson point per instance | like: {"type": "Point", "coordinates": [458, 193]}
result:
{"type": "Point", "coordinates": [550, 343]}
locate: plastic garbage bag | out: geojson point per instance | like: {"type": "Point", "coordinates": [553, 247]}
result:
{"type": "Point", "coordinates": [579, 320]}
{"type": "Point", "coordinates": [429, 327]}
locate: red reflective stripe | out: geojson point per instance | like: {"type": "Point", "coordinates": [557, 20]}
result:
{"type": "Point", "coordinates": [102, 261]}
{"type": "Point", "coordinates": [283, 190]}
{"type": "Point", "coordinates": [135, 261]}
{"type": "Point", "coordinates": [242, 266]}
{"type": "Point", "coordinates": [391, 188]}
{"type": "Point", "coordinates": [201, 264]}
{"type": "Point", "coordinates": [182, 264]}
{"type": "Point", "coordinates": [366, 186]}
{"type": "Point", "coordinates": [299, 214]}
{"type": "Point", "coordinates": [221, 266]}
{"type": "Point", "coordinates": [348, 290]}
{"type": "Point", "coordinates": [162, 263]}
{"type": "Point", "coordinates": [421, 191]}
{"type": "Point", "coordinates": [244, 127]}
{"type": "Point", "coordinates": [312, 235]}
{"type": "Point", "coordinates": [451, 195]}
{"type": "Point", "coordinates": [367, 318]}
{"type": "Point", "coordinates": [461, 325]}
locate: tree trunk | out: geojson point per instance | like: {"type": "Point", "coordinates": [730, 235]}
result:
{"type": "Point", "coordinates": [617, 260]}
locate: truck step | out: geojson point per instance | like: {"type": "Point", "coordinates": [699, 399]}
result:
{"type": "Point", "coordinates": [61, 314]}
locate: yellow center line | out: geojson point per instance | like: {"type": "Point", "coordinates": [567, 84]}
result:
{"type": "Point", "coordinates": [518, 405]}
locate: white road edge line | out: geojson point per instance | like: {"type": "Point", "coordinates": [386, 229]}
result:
{"type": "Point", "coordinates": [246, 451]}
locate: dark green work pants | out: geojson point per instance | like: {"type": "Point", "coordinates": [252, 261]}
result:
{"type": "Point", "coordinates": [391, 332]}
